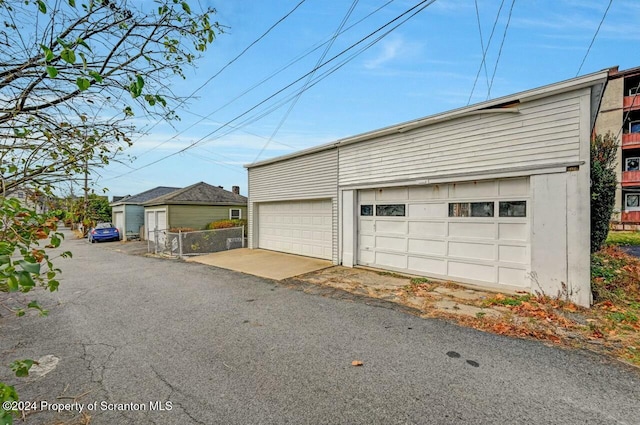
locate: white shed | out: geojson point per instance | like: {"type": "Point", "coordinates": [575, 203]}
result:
{"type": "Point", "coordinates": [494, 195]}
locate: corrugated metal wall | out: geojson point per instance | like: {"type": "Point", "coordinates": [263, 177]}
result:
{"type": "Point", "coordinates": [308, 177]}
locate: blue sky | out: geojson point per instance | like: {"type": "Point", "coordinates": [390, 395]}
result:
{"type": "Point", "coordinates": [427, 65]}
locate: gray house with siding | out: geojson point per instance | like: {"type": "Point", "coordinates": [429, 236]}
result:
{"type": "Point", "coordinates": [494, 195]}
{"type": "Point", "coordinates": [128, 212]}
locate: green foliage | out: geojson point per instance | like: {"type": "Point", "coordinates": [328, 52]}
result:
{"type": "Point", "coordinates": [603, 187]}
{"type": "Point", "coordinates": [98, 209]}
{"type": "Point", "coordinates": [62, 108]}
{"type": "Point", "coordinates": [615, 277]}
{"type": "Point", "coordinates": [226, 224]}
{"type": "Point", "coordinates": [65, 68]}
{"type": "Point", "coordinates": [21, 367]}
{"type": "Point", "coordinates": [7, 394]}
{"type": "Point", "coordinates": [623, 238]}
{"type": "Point", "coordinates": [622, 316]}
{"type": "Point", "coordinates": [508, 300]}
{"type": "Point", "coordinates": [419, 280]}
{"type": "Point", "coordinates": [24, 263]}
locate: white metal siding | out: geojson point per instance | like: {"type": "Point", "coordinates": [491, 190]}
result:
{"type": "Point", "coordinates": [303, 178]}
{"type": "Point", "coordinates": [484, 250]}
{"type": "Point", "coordinates": [545, 132]}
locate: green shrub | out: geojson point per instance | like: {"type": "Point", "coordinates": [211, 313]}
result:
{"type": "Point", "coordinates": [603, 187]}
{"type": "Point", "coordinates": [225, 224]}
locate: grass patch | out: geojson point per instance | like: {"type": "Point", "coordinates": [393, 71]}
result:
{"type": "Point", "coordinates": [392, 274]}
{"type": "Point", "coordinates": [623, 238]}
{"type": "Point", "coordinates": [508, 300]}
{"type": "Point", "coordinates": [419, 280]}
{"type": "Point", "coordinates": [615, 277]}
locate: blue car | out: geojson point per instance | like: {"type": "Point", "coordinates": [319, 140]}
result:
{"type": "Point", "coordinates": [104, 232]}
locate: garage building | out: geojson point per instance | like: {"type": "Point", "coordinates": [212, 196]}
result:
{"type": "Point", "coordinates": [494, 195]}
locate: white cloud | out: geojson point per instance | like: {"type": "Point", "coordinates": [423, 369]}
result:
{"type": "Point", "coordinates": [389, 49]}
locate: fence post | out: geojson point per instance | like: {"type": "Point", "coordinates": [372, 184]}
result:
{"type": "Point", "coordinates": [155, 240]}
{"type": "Point", "coordinates": [180, 243]}
{"type": "Point", "coordinates": [242, 236]}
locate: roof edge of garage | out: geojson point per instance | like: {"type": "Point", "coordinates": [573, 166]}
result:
{"type": "Point", "coordinates": [599, 77]}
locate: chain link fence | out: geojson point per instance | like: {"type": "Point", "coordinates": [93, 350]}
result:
{"type": "Point", "coordinates": [183, 244]}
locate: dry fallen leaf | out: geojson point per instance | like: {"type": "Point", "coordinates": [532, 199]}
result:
{"type": "Point", "coordinates": [356, 363]}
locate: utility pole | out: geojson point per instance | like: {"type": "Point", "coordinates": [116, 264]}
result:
{"type": "Point", "coordinates": [86, 195]}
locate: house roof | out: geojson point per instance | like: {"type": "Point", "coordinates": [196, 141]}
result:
{"type": "Point", "coordinates": [199, 194]}
{"type": "Point", "coordinates": [505, 104]}
{"type": "Point", "coordinates": [145, 196]}
{"type": "Point", "coordinates": [616, 73]}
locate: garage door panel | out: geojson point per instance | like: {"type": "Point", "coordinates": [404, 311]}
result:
{"type": "Point", "coordinates": [392, 194]}
{"type": "Point", "coordinates": [425, 228]}
{"type": "Point", "coordinates": [391, 260]}
{"type": "Point", "coordinates": [472, 271]}
{"type": "Point", "coordinates": [490, 250]}
{"type": "Point", "coordinates": [367, 195]}
{"type": "Point", "coordinates": [436, 191]}
{"type": "Point", "coordinates": [427, 210]}
{"type": "Point", "coordinates": [514, 187]}
{"type": "Point", "coordinates": [366, 226]}
{"type": "Point", "coordinates": [473, 189]}
{"type": "Point", "coordinates": [472, 229]}
{"type": "Point", "coordinates": [367, 241]}
{"type": "Point", "coordinates": [509, 276]}
{"type": "Point", "coordinates": [513, 231]}
{"type": "Point", "coordinates": [512, 254]}
{"type": "Point", "coordinates": [471, 250]}
{"type": "Point", "coordinates": [384, 226]}
{"type": "Point", "coordinates": [367, 257]}
{"type": "Point", "coordinates": [427, 246]}
{"type": "Point", "coordinates": [296, 227]}
{"type": "Point", "coordinates": [428, 265]}
{"type": "Point", "coordinates": [391, 243]}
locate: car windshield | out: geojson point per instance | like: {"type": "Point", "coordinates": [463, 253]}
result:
{"type": "Point", "coordinates": [103, 225]}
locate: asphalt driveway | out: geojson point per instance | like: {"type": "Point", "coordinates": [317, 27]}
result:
{"type": "Point", "coordinates": [214, 346]}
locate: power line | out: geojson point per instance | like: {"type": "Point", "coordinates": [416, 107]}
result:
{"type": "Point", "coordinates": [594, 37]}
{"type": "Point", "coordinates": [324, 75]}
{"type": "Point", "coordinates": [504, 36]}
{"type": "Point", "coordinates": [253, 43]}
{"type": "Point", "coordinates": [484, 54]}
{"type": "Point", "coordinates": [486, 74]}
{"type": "Point", "coordinates": [309, 78]}
{"type": "Point", "coordinates": [420, 6]}
{"type": "Point", "coordinates": [294, 61]}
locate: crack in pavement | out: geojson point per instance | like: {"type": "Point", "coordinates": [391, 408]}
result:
{"type": "Point", "coordinates": [177, 403]}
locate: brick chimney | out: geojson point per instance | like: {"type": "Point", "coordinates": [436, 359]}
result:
{"type": "Point", "coordinates": [235, 189]}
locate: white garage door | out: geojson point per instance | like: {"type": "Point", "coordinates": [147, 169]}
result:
{"type": "Point", "coordinates": [475, 232]}
{"type": "Point", "coordinates": [296, 227]}
{"type": "Point", "coordinates": [156, 220]}
{"type": "Point", "coordinates": [118, 221]}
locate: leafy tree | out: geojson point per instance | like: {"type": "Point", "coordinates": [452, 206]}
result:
{"type": "Point", "coordinates": [603, 186]}
{"type": "Point", "coordinates": [71, 74]}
